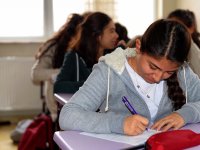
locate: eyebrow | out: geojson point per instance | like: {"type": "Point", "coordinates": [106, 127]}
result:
{"type": "Point", "coordinates": [160, 68]}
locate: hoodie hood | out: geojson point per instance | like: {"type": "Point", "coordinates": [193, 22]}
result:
{"type": "Point", "coordinates": [116, 59]}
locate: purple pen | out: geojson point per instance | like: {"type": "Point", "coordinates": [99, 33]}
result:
{"type": "Point", "coordinates": [128, 105]}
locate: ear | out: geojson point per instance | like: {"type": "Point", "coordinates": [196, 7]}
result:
{"type": "Point", "coordinates": [137, 45]}
{"type": "Point", "coordinates": [99, 38]}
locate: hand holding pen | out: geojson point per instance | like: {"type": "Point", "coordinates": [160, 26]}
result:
{"type": "Point", "coordinates": [134, 124]}
{"type": "Point", "coordinates": [129, 106]}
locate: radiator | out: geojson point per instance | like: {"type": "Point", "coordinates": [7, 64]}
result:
{"type": "Point", "coordinates": [18, 95]}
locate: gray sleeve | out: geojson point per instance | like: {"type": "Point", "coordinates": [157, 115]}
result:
{"type": "Point", "coordinates": [190, 111]}
{"type": "Point", "coordinates": [80, 112]}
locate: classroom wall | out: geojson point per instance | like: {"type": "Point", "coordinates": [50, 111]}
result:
{"type": "Point", "coordinates": [18, 49]}
{"type": "Point", "coordinates": [28, 49]}
{"type": "Point", "coordinates": [192, 5]}
{"type": "Point", "coordinates": [168, 6]}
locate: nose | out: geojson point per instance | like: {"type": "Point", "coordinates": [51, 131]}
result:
{"type": "Point", "coordinates": [158, 76]}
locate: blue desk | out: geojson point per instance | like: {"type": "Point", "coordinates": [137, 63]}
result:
{"type": "Point", "coordinates": [73, 140]}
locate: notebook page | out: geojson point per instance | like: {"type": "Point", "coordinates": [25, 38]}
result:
{"type": "Point", "coordinates": [132, 140]}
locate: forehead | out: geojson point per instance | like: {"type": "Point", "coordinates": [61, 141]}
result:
{"type": "Point", "coordinates": [162, 63]}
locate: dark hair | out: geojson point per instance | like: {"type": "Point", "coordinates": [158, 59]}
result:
{"type": "Point", "coordinates": [88, 44]}
{"type": "Point", "coordinates": [122, 32]}
{"type": "Point", "coordinates": [188, 18]}
{"type": "Point", "coordinates": [170, 39]}
{"type": "Point", "coordinates": [62, 38]}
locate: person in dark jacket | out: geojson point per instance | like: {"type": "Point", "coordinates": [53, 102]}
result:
{"type": "Point", "coordinates": [96, 34]}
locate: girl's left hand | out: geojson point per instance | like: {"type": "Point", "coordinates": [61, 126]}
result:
{"type": "Point", "coordinates": [173, 121]}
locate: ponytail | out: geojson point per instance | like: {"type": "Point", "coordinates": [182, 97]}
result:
{"type": "Point", "coordinates": [175, 92]}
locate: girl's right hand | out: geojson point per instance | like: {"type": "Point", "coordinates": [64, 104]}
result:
{"type": "Point", "coordinates": [135, 125]}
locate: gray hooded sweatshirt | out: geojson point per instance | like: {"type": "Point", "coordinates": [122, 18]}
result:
{"type": "Point", "coordinates": [104, 89]}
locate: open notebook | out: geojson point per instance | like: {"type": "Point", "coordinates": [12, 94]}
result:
{"type": "Point", "coordinates": [132, 140]}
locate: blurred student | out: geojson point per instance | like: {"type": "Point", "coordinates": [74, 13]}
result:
{"type": "Point", "coordinates": [188, 18]}
{"type": "Point", "coordinates": [122, 32]}
{"type": "Point", "coordinates": [132, 42]}
{"type": "Point", "coordinates": [49, 59]}
{"type": "Point", "coordinates": [122, 38]}
{"type": "Point", "coordinates": [155, 79]}
{"type": "Point", "coordinates": [97, 33]}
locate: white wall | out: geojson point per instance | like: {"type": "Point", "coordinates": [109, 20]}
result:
{"type": "Point", "coordinates": [193, 5]}
{"type": "Point", "coordinates": [168, 6]}
{"type": "Point", "coordinates": [18, 49]}
{"type": "Point", "coordinates": [28, 49]}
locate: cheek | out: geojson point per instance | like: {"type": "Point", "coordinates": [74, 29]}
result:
{"type": "Point", "coordinates": [108, 42]}
{"type": "Point", "coordinates": [144, 68]}
{"type": "Point", "coordinates": [102, 40]}
{"type": "Point", "coordinates": [144, 71]}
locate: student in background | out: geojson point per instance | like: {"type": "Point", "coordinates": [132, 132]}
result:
{"type": "Point", "coordinates": [97, 33]}
{"type": "Point", "coordinates": [49, 59]}
{"type": "Point", "coordinates": [155, 79]}
{"type": "Point", "coordinates": [122, 31]}
{"type": "Point", "coordinates": [122, 38]}
{"type": "Point", "coordinates": [188, 18]}
{"type": "Point", "coordinates": [123, 34]}
{"type": "Point", "coordinates": [132, 42]}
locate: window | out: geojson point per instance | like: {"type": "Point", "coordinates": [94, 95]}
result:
{"type": "Point", "coordinates": [37, 20]}
{"type": "Point", "coordinates": [129, 13]}
{"type": "Point", "coordinates": [62, 9]}
{"type": "Point", "coordinates": [21, 18]}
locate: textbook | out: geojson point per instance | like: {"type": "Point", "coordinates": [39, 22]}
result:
{"type": "Point", "coordinates": [132, 140]}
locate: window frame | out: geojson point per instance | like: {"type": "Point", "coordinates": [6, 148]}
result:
{"type": "Point", "coordinates": [48, 27]}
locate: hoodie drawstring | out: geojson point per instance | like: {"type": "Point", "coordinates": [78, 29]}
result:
{"type": "Point", "coordinates": [185, 84]}
{"type": "Point", "coordinates": [108, 90]}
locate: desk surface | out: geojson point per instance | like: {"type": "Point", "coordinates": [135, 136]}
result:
{"type": "Point", "coordinates": [73, 140]}
{"type": "Point", "coordinates": [62, 98]}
